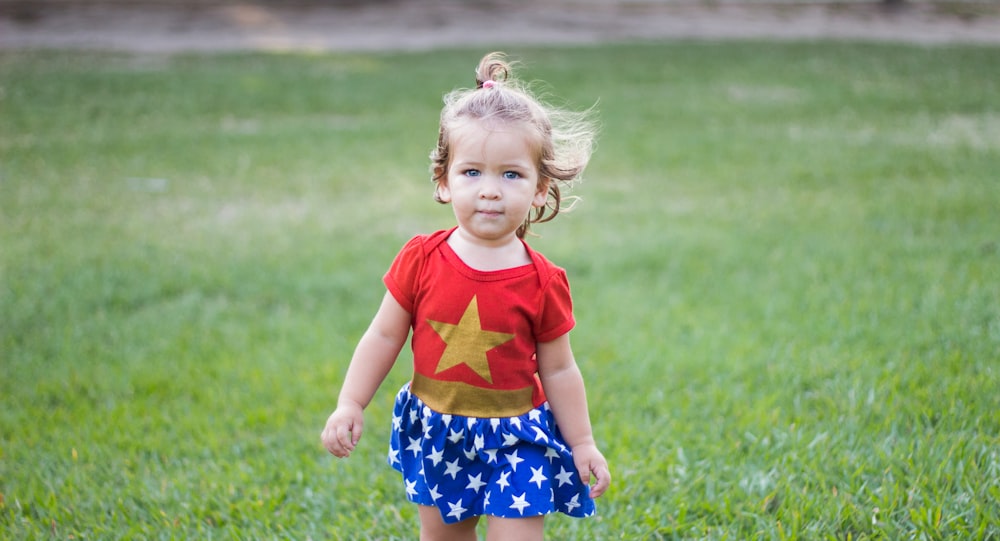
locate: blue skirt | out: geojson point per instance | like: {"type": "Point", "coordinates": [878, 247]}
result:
{"type": "Point", "coordinates": [468, 466]}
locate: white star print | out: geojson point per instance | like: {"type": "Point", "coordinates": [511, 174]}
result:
{"type": "Point", "coordinates": [486, 499]}
{"type": "Point", "coordinates": [495, 423]}
{"type": "Point", "coordinates": [413, 416]}
{"type": "Point", "coordinates": [454, 436]}
{"type": "Point", "coordinates": [397, 422]}
{"type": "Point", "coordinates": [427, 412]}
{"type": "Point", "coordinates": [414, 446]}
{"type": "Point", "coordinates": [573, 504]}
{"type": "Point", "coordinates": [513, 459]}
{"type": "Point", "coordinates": [469, 453]}
{"type": "Point", "coordinates": [520, 502]}
{"type": "Point", "coordinates": [452, 468]}
{"type": "Point", "coordinates": [411, 488]}
{"type": "Point", "coordinates": [491, 455]}
{"type": "Point", "coordinates": [510, 440]}
{"type": "Point", "coordinates": [479, 442]}
{"type": "Point", "coordinates": [475, 483]}
{"type": "Point", "coordinates": [393, 456]}
{"type": "Point", "coordinates": [427, 430]}
{"type": "Point", "coordinates": [540, 434]}
{"type": "Point", "coordinates": [535, 415]}
{"type": "Point", "coordinates": [503, 482]}
{"type": "Point", "coordinates": [564, 477]}
{"type": "Point", "coordinates": [446, 418]}
{"type": "Point", "coordinates": [436, 456]}
{"type": "Point", "coordinates": [515, 421]}
{"type": "Point", "coordinates": [456, 509]}
{"type": "Point", "coordinates": [434, 493]}
{"type": "Point", "coordinates": [537, 477]}
{"type": "Point", "coordinates": [551, 454]}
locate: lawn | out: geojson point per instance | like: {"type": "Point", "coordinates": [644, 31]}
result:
{"type": "Point", "coordinates": [785, 264]}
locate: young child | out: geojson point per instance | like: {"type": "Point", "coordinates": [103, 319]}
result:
{"type": "Point", "coordinates": [494, 421]}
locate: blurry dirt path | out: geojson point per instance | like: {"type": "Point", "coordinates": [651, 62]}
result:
{"type": "Point", "coordinates": [168, 26]}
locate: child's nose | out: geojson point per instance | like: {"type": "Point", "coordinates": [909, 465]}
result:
{"type": "Point", "coordinates": [489, 189]}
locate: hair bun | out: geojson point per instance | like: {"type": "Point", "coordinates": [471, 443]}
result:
{"type": "Point", "coordinates": [493, 67]}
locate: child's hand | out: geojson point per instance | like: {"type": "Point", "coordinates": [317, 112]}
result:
{"type": "Point", "coordinates": [343, 430]}
{"type": "Point", "coordinates": [589, 460]}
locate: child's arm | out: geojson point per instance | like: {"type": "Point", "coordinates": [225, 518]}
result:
{"type": "Point", "coordinates": [567, 397]}
{"type": "Point", "coordinates": [372, 360]}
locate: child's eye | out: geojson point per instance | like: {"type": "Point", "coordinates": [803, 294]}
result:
{"type": "Point", "coordinates": [471, 172]}
{"type": "Point", "coordinates": [511, 175]}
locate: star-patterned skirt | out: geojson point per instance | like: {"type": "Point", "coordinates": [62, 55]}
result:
{"type": "Point", "coordinates": [468, 466]}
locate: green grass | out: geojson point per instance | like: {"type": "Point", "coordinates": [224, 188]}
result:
{"type": "Point", "coordinates": [786, 269]}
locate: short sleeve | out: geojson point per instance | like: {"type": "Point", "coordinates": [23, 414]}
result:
{"type": "Point", "coordinates": [403, 275]}
{"type": "Point", "coordinates": [556, 314]}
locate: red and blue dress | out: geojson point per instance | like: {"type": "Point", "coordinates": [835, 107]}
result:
{"type": "Point", "coordinates": [472, 431]}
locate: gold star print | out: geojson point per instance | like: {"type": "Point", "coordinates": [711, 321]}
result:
{"type": "Point", "coordinates": [467, 342]}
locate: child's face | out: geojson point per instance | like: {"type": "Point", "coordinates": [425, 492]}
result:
{"type": "Point", "coordinates": [492, 180]}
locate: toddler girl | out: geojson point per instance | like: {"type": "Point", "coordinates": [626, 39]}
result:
{"type": "Point", "coordinates": [494, 421]}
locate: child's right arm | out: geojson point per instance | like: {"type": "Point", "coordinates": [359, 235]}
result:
{"type": "Point", "coordinates": [373, 358]}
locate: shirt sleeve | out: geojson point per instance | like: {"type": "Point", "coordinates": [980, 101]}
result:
{"type": "Point", "coordinates": [556, 314]}
{"type": "Point", "coordinates": [403, 275]}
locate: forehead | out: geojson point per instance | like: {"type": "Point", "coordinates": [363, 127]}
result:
{"type": "Point", "coordinates": [477, 134]}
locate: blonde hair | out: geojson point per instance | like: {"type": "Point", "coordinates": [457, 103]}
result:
{"type": "Point", "coordinates": [565, 138]}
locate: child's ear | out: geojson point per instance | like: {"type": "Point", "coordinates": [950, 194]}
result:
{"type": "Point", "coordinates": [542, 193]}
{"type": "Point", "coordinates": [442, 194]}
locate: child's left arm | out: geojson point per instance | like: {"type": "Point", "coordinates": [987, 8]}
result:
{"type": "Point", "coordinates": [567, 396]}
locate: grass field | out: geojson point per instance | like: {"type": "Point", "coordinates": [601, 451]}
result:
{"type": "Point", "coordinates": [786, 268]}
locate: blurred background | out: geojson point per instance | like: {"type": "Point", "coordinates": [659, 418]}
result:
{"type": "Point", "coordinates": [172, 25]}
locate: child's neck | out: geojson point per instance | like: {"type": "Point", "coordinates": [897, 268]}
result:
{"type": "Point", "coordinates": [488, 255]}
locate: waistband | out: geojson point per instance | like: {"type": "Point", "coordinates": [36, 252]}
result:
{"type": "Point", "coordinates": [458, 398]}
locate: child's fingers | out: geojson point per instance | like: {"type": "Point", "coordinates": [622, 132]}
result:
{"type": "Point", "coordinates": [338, 439]}
{"type": "Point", "coordinates": [342, 432]}
{"type": "Point", "coordinates": [332, 442]}
{"type": "Point", "coordinates": [356, 433]}
{"type": "Point", "coordinates": [345, 437]}
{"type": "Point", "coordinates": [603, 477]}
{"type": "Point", "coordinates": [583, 467]}
{"type": "Point", "coordinates": [593, 470]}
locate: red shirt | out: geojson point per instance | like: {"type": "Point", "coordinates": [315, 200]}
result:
{"type": "Point", "coordinates": [475, 332]}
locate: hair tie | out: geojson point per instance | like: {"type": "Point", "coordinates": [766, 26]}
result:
{"type": "Point", "coordinates": [489, 84]}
